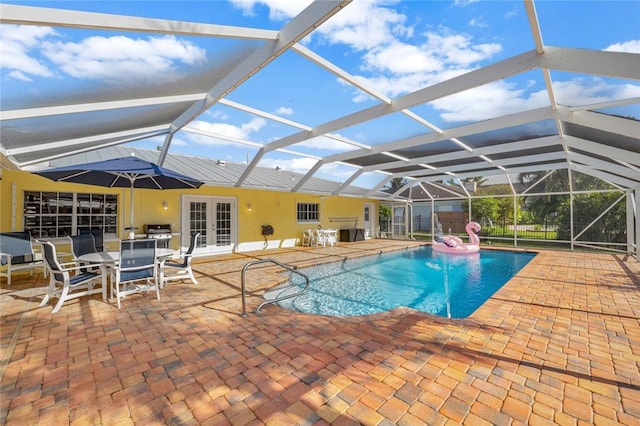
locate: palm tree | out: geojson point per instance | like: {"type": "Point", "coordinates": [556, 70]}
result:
{"type": "Point", "coordinates": [397, 183]}
{"type": "Point", "coordinates": [542, 206]}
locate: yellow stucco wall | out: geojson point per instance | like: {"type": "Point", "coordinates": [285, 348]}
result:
{"type": "Point", "coordinates": [267, 207]}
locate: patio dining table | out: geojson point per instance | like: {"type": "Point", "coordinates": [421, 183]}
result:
{"type": "Point", "coordinates": [105, 259]}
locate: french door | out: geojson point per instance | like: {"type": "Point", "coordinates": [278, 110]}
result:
{"type": "Point", "coordinates": [216, 220]}
{"type": "Point", "coordinates": [369, 218]}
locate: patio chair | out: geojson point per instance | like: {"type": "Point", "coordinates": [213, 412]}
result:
{"type": "Point", "coordinates": [326, 236]}
{"type": "Point", "coordinates": [16, 253]}
{"type": "Point", "coordinates": [308, 238]}
{"type": "Point", "coordinates": [82, 244]}
{"type": "Point", "coordinates": [331, 237]}
{"type": "Point", "coordinates": [67, 282]}
{"type": "Point", "coordinates": [182, 270]}
{"type": "Point", "coordinates": [98, 235]}
{"type": "Point", "coordinates": [137, 263]}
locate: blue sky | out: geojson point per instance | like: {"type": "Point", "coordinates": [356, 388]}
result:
{"type": "Point", "coordinates": [394, 47]}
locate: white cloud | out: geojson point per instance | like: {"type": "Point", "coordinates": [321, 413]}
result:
{"type": "Point", "coordinates": [296, 165]}
{"type": "Point", "coordinates": [254, 125]}
{"type": "Point", "coordinates": [365, 25]}
{"type": "Point", "coordinates": [502, 98]}
{"type": "Point", "coordinates": [458, 49]}
{"type": "Point", "coordinates": [391, 64]}
{"type": "Point", "coordinates": [19, 75]}
{"type": "Point", "coordinates": [325, 143]}
{"type": "Point", "coordinates": [30, 51]}
{"type": "Point", "coordinates": [284, 111]}
{"type": "Point", "coordinates": [278, 9]}
{"type": "Point", "coordinates": [217, 114]}
{"type": "Point", "coordinates": [484, 102]}
{"type": "Point", "coordinates": [242, 132]}
{"type": "Point", "coordinates": [123, 58]}
{"type": "Point", "coordinates": [478, 22]}
{"type": "Point", "coordinates": [587, 91]}
{"type": "Point", "coordinates": [463, 3]}
{"type": "Point", "coordinates": [334, 172]}
{"type": "Point", "coordinates": [17, 43]}
{"type": "Point", "coordinates": [401, 58]}
{"type": "Point", "coordinates": [631, 46]}
{"type": "Point", "coordinates": [399, 68]}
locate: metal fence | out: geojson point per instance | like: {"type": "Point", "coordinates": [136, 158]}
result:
{"type": "Point", "coordinates": [596, 235]}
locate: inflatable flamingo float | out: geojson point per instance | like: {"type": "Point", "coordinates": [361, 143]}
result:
{"type": "Point", "coordinates": [453, 244]}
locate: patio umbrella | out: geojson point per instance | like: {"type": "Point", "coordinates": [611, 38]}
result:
{"type": "Point", "coordinates": [126, 172]}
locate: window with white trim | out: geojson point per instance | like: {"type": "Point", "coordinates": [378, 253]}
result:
{"type": "Point", "coordinates": [59, 214]}
{"type": "Point", "coordinates": [308, 212]}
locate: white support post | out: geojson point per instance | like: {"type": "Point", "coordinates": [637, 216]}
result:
{"type": "Point", "coordinates": [636, 222]}
{"type": "Point", "coordinates": [570, 208]}
{"type": "Point", "coordinates": [433, 219]}
{"type": "Point", "coordinates": [631, 221]}
{"type": "Point", "coordinates": [515, 221]}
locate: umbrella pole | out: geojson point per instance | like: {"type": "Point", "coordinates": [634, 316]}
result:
{"type": "Point", "coordinates": [132, 232]}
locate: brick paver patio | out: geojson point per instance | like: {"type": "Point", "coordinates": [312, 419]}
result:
{"type": "Point", "coordinates": [559, 343]}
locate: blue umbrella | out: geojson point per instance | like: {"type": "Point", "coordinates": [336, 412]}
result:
{"type": "Point", "coordinates": [126, 172]}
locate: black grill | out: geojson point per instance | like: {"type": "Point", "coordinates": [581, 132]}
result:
{"type": "Point", "coordinates": [161, 232]}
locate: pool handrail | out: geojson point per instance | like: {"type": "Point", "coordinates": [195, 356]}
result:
{"type": "Point", "coordinates": [278, 299]}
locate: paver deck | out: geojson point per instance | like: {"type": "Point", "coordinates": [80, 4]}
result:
{"type": "Point", "coordinates": [558, 344]}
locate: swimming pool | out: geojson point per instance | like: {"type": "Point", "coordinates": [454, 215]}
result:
{"type": "Point", "coordinates": [437, 283]}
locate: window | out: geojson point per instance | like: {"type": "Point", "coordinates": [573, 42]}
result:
{"type": "Point", "coordinates": [308, 212]}
{"type": "Point", "coordinates": [52, 214]}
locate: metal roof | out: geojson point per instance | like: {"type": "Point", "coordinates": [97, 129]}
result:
{"type": "Point", "coordinates": [218, 172]}
{"type": "Point", "coordinates": [583, 137]}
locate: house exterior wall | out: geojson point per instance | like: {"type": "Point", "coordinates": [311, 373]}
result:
{"type": "Point", "coordinates": [277, 209]}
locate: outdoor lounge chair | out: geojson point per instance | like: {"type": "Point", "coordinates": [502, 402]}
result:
{"type": "Point", "coordinates": [182, 270]}
{"type": "Point", "coordinates": [16, 253]}
{"type": "Point", "coordinates": [68, 282]}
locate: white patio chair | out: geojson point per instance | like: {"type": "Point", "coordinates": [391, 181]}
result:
{"type": "Point", "coordinates": [98, 235]}
{"type": "Point", "coordinates": [320, 239]}
{"type": "Point", "coordinates": [82, 244]}
{"type": "Point", "coordinates": [68, 282]}
{"type": "Point", "coordinates": [16, 254]}
{"type": "Point", "coordinates": [137, 263]}
{"type": "Point", "coordinates": [331, 237]}
{"type": "Point", "coordinates": [182, 270]}
{"type": "Point", "coordinates": [308, 238]}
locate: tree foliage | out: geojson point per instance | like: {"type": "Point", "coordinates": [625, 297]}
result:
{"type": "Point", "coordinates": [397, 183]}
{"type": "Point", "coordinates": [586, 207]}
{"type": "Point", "coordinates": [492, 210]}
{"type": "Point", "coordinates": [384, 210]}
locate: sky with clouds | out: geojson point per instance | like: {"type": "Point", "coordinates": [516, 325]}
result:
{"type": "Point", "coordinates": [391, 47]}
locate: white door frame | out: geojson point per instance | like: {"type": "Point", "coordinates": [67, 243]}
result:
{"type": "Point", "coordinates": [369, 226]}
{"type": "Point", "coordinates": [207, 245]}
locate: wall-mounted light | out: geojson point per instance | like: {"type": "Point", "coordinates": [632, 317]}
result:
{"type": "Point", "coordinates": [249, 207]}
{"type": "Point", "coordinates": [165, 205]}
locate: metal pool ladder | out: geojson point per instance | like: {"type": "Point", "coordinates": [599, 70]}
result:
{"type": "Point", "coordinates": [268, 302]}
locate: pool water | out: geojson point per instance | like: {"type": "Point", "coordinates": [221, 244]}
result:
{"type": "Point", "coordinates": [449, 285]}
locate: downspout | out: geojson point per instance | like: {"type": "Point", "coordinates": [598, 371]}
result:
{"type": "Point", "coordinates": [13, 207]}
